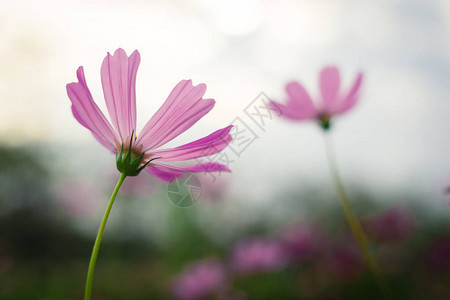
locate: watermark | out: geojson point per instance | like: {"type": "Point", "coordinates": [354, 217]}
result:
{"type": "Point", "coordinates": [247, 128]}
{"type": "Point", "coordinates": [185, 192]}
{"type": "Point", "coordinates": [261, 111]}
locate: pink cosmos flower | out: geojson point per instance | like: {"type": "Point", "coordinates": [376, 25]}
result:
{"type": "Point", "coordinates": [144, 185]}
{"type": "Point", "coordinates": [214, 188]}
{"type": "Point", "coordinates": [300, 106]}
{"type": "Point", "coordinates": [344, 260]}
{"type": "Point", "coordinates": [79, 197]}
{"type": "Point", "coordinates": [182, 109]}
{"type": "Point", "coordinates": [303, 241]}
{"type": "Point", "coordinates": [393, 224]}
{"type": "Point", "coordinates": [258, 255]}
{"type": "Point", "coordinates": [200, 280]}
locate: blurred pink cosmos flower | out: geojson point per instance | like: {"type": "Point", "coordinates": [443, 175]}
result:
{"type": "Point", "coordinates": [447, 190]}
{"type": "Point", "coordinates": [303, 241]}
{"type": "Point", "coordinates": [258, 255]}
{"type": "Point", "coordinates": [214, 188]}
{"type": "Point", "coordinates": [300, 106]}
{"type": "Point", "coordinates": [200, 280]}
{"type": "Point", "coordinates": [144, 185]}
{"type": "Point", "coordinates": [344, 260]}
{"type": "Point", "coordinates": [79, 197]}
{"type": "Point", "coordinates": [395, 223]}
{"type": "Point", "coordinates": [182, 109]}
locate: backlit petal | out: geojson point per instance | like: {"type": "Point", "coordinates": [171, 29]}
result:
{"type": "Point", "coordinates": [299, 105]}
{"type": "Point", "coordinates": [209, 145]}
{"type": "Point", "coordinates": [352, 97]}
{"type": "Point", "coordinates": [170, 173]}
{"type": "Point", "coordinates": [182, 109]}
{"type": "Point", "coordinates": [329, 87]}
{"type": "Point", "coordinates": [87, 112]}
{"type": "Point", "coordinates": [118, 74]}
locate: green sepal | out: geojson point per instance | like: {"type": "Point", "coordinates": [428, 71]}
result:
{"type": "Point", "coordinates": [120, 155]}
{"type": "Point", "coordinates": [325, 122]}
{"type": "Point", "coordinates": [141, 168]}
{"type": "Point", "coordinates": [129, 165]}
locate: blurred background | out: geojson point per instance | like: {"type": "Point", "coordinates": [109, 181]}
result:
{"type": "Point", "coordinates": [272, 228]}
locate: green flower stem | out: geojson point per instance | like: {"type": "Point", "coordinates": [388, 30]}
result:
{"type": "Point", "coordinates": [98, 240]}
{"type": "Point", "coordinates": [352, 220]}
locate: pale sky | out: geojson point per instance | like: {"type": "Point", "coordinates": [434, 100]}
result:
{"type": "Point", "coordinates": [396, 138]}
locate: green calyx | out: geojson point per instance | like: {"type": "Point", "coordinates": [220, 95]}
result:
{"type": "Point", "coordinates": [325, 121]}
{"type": "Point", "coordinates": [129, 163]}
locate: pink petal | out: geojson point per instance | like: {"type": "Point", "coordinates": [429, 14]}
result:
{"type": "Point", "coordinates": [285, 111]}
{"type": "Point", "coordinates": [100, 139]}
{"type": "Point", "coordinates": [165, 174]}
{"type": "Point", "coordinates": [87, 112]}
{"type": "Point", "coordinates": [182, 109]}
{"type": "Point", "coordinates": [350, 99]}
{"type": "Point", "coordinates": [118, 74]}
{"type": "Point", "coordinates": [292, 113]}
{"type": "Point", "coordinates": [299, 105]}
{"type": "Point", "coordinates": [298, 97]}
{"type": "Point", "coordinates": [329, 87]}
{"type": "Point", "coordinates": [209, 145]}
{"type": "Point", "coordinates": [169, 173]}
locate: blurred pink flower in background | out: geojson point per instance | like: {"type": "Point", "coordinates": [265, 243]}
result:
{"type": "Point", "coordinates": [393, 224]}
{"type": "Point", "coordinates": [300, 106]}
{"type": "Point", "coordinates": [182, 109]}
{"type": "Point", "coordinates": [213, 188]}
{"type": "Point", "coordinates": [253, 255]}
{"type": "Point", "coordinates": [200, 280]}
{"type": "Point", "coordinates": [303, 241]}
{"type": "Point", "coordinates": [344, 260]}
{"type": "Point", "coordinates": [447, 190]}
{"type": "Point", "coordinates": [138, 186]}
{"type": "Point", "coordinates": [79, 197]}
{"type": "Point", "coordinates": [437, 257]}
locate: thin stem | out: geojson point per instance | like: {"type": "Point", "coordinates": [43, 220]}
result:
{"type": "Point", "coordinates": [98, 240]}
{"type": "Point", "coordinates": [352, 220]}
